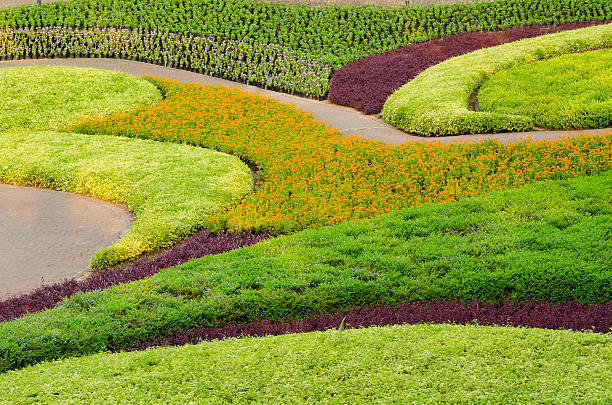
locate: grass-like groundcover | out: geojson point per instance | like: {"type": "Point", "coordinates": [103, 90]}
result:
{"type": "Point", "coordinates": [570, 91]}
{"type": "Point", "coordinates": [171, 189]}
{"type": "Point", "coordinates": [399, 364]}
{"type": "Point", "coordinates": [547, 241]}
{"type": "Point", "coordinates": [48, 97]}
{"type": "Point", "coordinates": [436, 102]}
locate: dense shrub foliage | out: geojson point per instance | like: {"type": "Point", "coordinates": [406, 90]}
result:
{"type": "Point", "coordinates": [566, 92]}
{"type": "Point", "coordinates": [169, 202]}
{"type": "Point", "coordinates": [547, 241]}
{"type": "Point", "coordinates": [366, 83]}
{"type": "Point", "coordinates": [439, 364]}
{"type": "Point", "coordinates": [567, 315]}
{"type": "Point", "coordinates": [312, 175]}
{"type": "Point", "coordinates": [269, 66]}
{"type": "Point", "coordinates": [436, 102]}
{"type": "Point", "coordinates": [199, 245]}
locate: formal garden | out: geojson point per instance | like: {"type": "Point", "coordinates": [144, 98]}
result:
{"type": "Point", "coordinates": [275, 258]}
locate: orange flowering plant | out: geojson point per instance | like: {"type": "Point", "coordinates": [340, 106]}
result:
{"type": "Point", "coordinates": [312, 175]}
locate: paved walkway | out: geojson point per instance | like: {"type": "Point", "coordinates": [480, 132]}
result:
{"type": "Point", "coordinates": [347, 120]}
{"type": "Point", "coordinates": [47, 235]}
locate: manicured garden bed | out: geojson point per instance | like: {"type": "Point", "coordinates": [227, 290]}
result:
{"type": "Point", "coordinates": [436, 102]}
{"type": "Point", "coordinates": [566, 92]}
{"type": "Point", "coordinates": [547, 242]}
{"type": "Point", "coordinates": [423, 363]}
{"type": "Point", "coordinates": [365, 84]}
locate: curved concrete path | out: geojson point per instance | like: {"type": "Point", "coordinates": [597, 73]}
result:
{"type": "Point", "coordinates": [47, 236]}
{"type": "Point", "coordinates": [349, 121]}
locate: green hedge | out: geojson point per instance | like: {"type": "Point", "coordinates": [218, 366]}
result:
{"type": "Point", "coordinates": [546, 241]}
{"type": "Point", "coordinates": [399, 364]}
{"type": "Point", "coordinates": [436, 102]}
{"type": "Point", "coordinates": [335, 34]}
{"type": "Point", "coordinates": [170, 188]}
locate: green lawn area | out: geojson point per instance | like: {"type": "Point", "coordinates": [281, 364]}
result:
{"type": "Point", "coordinates": [171, 188]}
{"type": "Point", "coordinates": [420, 364]}
{"type": "Point", "coordinates": [49, 97]}
{"type": "Point", "coordinates": [566, 92]}
{"type": "Point", "coordinates": [545, 241]}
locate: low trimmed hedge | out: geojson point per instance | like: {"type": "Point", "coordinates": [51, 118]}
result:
{"type": "Point", "coordinates": [547, 241]}
{"type": "Point", "coordinates": [171, 189]}
{"type": "Point", "coordinates": [269, 66]}
{"type": "Point", "coordinates": [399, 364]}
{"type": "Point", "coordinates": [436, 102]}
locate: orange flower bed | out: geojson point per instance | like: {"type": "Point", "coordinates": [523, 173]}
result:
{"type": "Point", "coordinates": [312, 175]}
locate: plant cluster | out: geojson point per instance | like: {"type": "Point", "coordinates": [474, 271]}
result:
{"type": "Point", "coordinates": [270, 66]}
{"type": "Point", "coordinates": [566, 92]}
{"type": "Point", "coordinates": [365, 84]}
{"type": "Point", "coordinates": [436, 102]}
{"type": "Point", "coordinates": [313, 175]}
{"type": "Point", "coordinates": [440, 364]}
{"type": "Point", "coordinates": [546, 241]}
{"type": "Point", "coordinates": [169, 201]}
{"type": "Point", "coordinates": [334, 34]}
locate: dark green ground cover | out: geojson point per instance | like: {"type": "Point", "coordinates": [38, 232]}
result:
{"type": "Point", "coordinates": [547, 241]}
{"type": "Point", "coordinates": [337, 34]}
{"type": "Point", "coordinates": [566, 92]}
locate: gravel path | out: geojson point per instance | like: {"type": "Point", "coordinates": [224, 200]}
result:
{"type": "Point", "coordinates": [347, 120]}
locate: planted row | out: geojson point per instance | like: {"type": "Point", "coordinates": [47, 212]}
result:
{"type": "Point", "coordinates": [268, 66]}
{"type": "Point", "coordinates": [335, 34]}
{"type": "Point", "coordinates": [313, 175]}
{"type": "Point", "coordinates": [365, 84]}
{"type": "Point", "coordinates": [547, 241]}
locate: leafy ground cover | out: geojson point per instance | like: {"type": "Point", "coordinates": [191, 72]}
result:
{"type": "Point", "coordinates": [409, 364]}
{"type": "Point", "coordinates": [69, 94]}
{"type": "Point", "coordinates": [436, 102]}
{"type": "Point", "coordinates": [570, 91]}
{"type": "Point", "coordinates": [170, 188]}
{"type": "Point", "coordinates": [365, 84]}
{"type": "Point", "coordinates": [269, 66]}
{"type": "Point", "coordinates": [334, 34]}
{"type": "Point", "coordinates": [547, 241]}
{"type": "Point", "coordinates": [313, 176]}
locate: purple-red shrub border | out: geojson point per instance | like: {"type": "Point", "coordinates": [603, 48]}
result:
{"type": "Point", "coordinates": [365, 84]}
{"type": "Point", "coordinates": [202, 244]}
{"type": "Point", "coordinates": [569, 315]}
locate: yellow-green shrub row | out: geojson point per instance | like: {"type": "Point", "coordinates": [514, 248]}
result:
{"type": "Point", "coordinates": [170, 188]}
{"type": "Point", "coordinates": [436, 102]}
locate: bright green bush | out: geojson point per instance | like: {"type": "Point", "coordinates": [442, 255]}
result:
{"type": "Point", "coordinates": [566, 92]}
{"type": "Point", "coordinates": [436, 102]}
{"type": "Point", "coordinates": [546, 241]}
{"type": "Point", "coordinates": [171, 189]}
{"type": "Point", "coordinates": [399, 364]}
{"type": "Point", "coordinates": [48, 97]}
{"type": "Point", "coordinates": [336, 34]}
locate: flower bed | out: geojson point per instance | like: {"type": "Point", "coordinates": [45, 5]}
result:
{"type": "Point", "coordinates": [269, 66]}
{"type": "Point", "coordinates": [365, 84]}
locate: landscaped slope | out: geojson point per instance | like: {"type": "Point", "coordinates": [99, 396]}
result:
{"type": "Point", "coordinates": [171, 189]}
{"type": "Point", "coordinates": [545, 241]}
{"type": "Point", "coordinates": [404, 364]}
{"type": "Point", "coordinates": [566, 92]}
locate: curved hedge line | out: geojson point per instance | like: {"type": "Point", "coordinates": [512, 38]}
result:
{"type": "Point", "coordinates": [436, 102]}
{"type": "Point", "coordinates": [269, 66]}
{"type": "Point", "coordinates": [171, 189]}
{"type": "Point", "coordinates": [547, 241]}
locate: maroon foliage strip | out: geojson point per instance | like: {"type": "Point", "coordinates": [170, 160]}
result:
{"type": "Point", "coordinates": [366, 83]}
{"type": "Point", "coordinates": [202, 244]}
{"type": "Point", "coordinates": [569, 315]}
